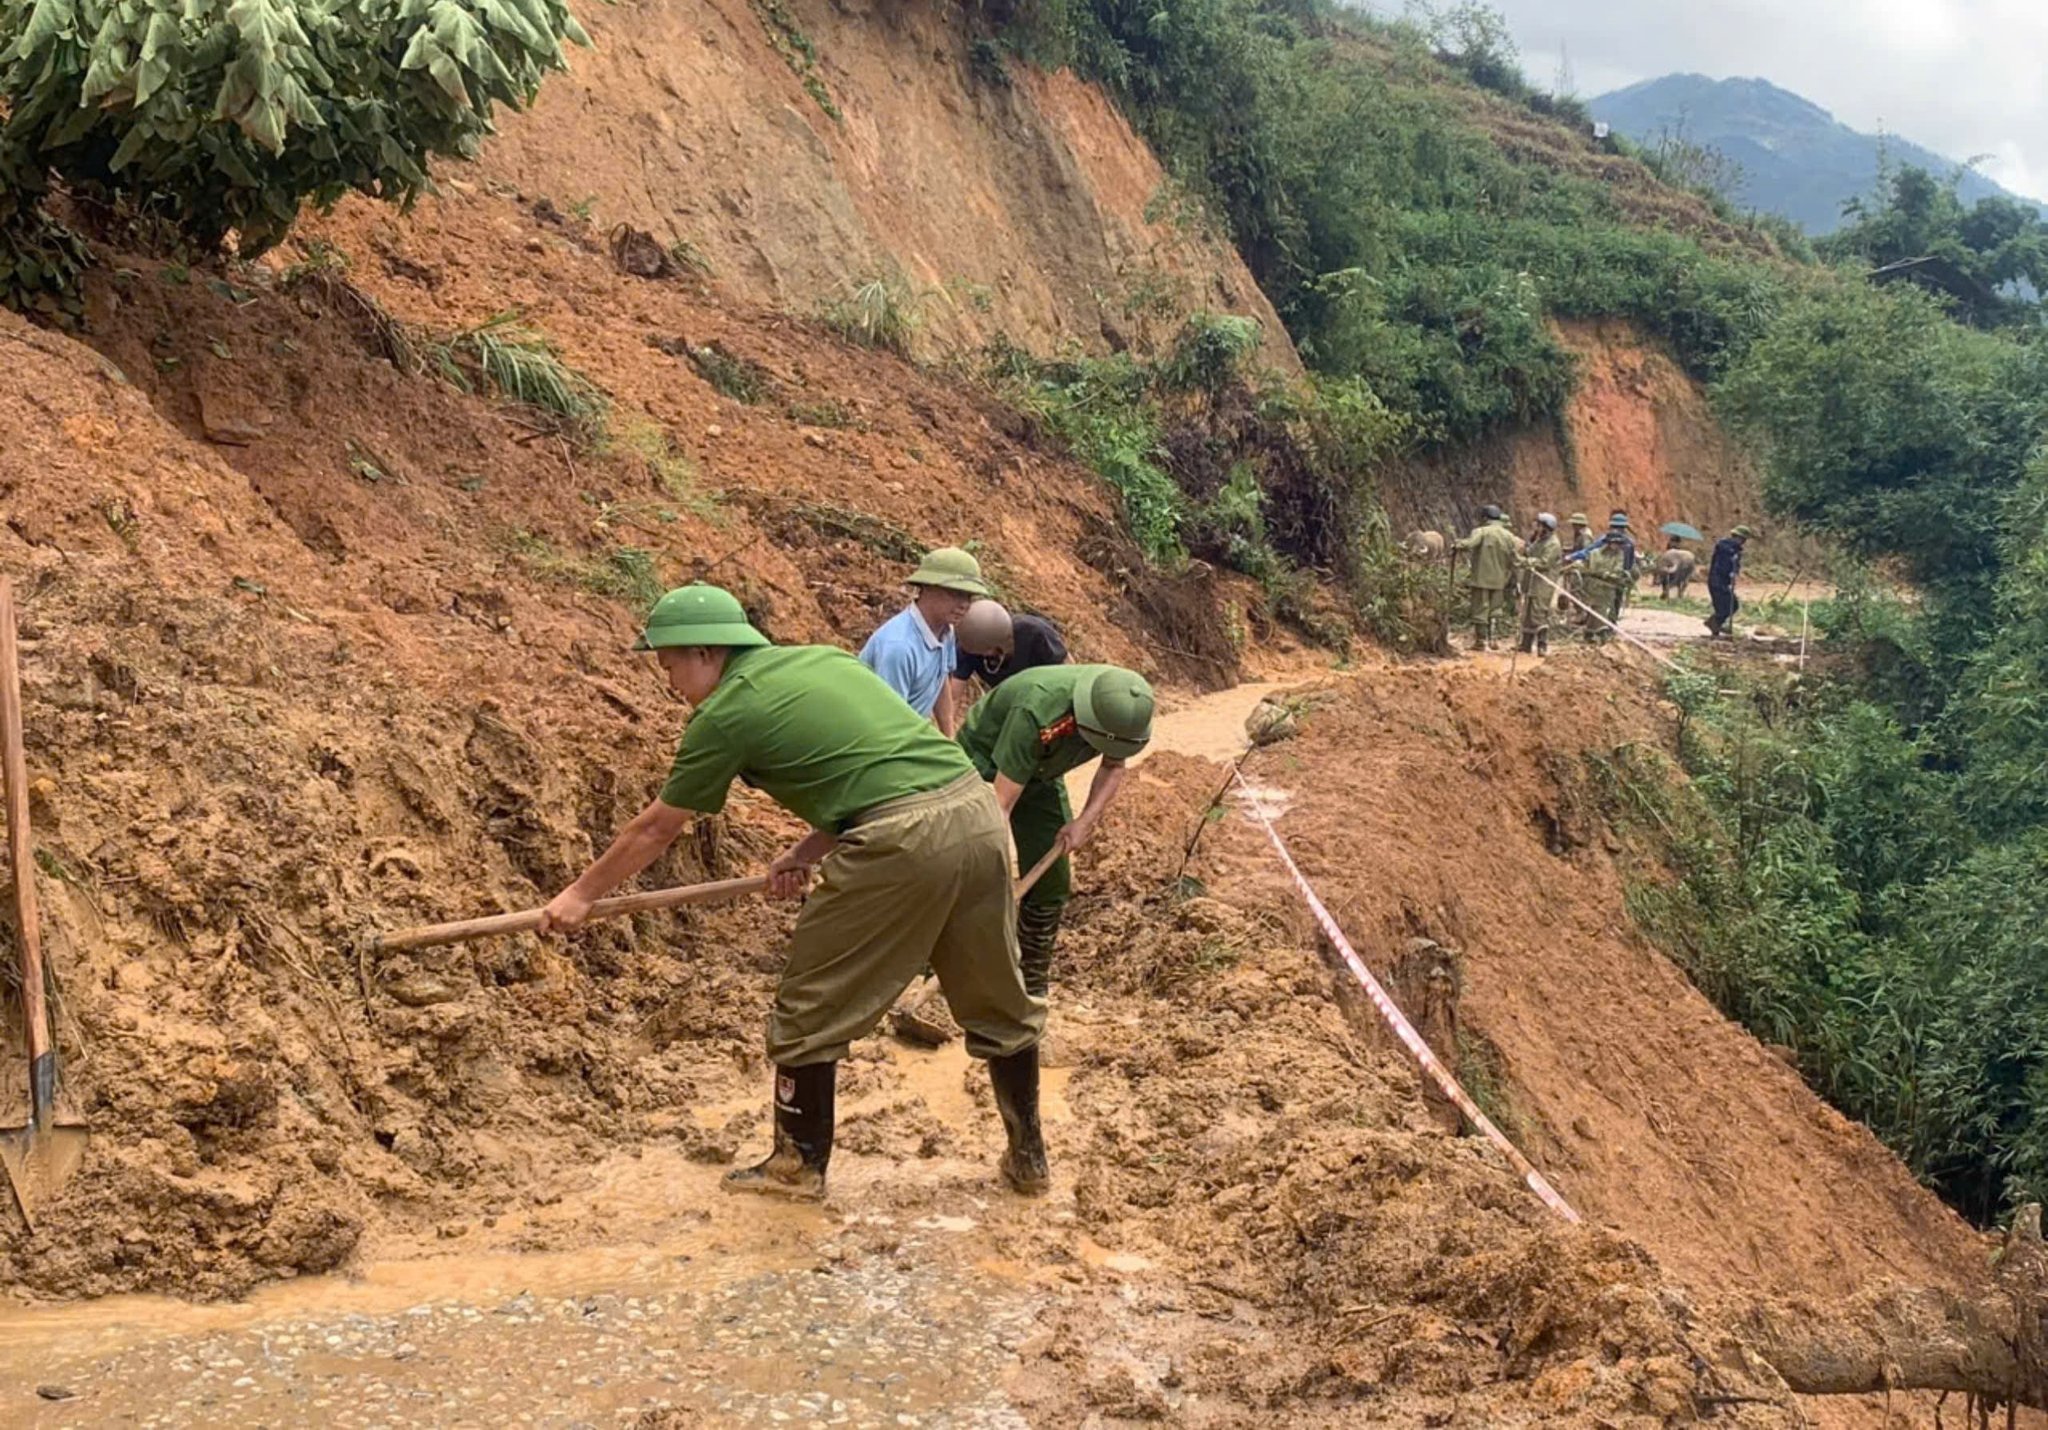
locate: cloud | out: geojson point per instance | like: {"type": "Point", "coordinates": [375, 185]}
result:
{"type": "Point", "coordinates": [1959, 76]}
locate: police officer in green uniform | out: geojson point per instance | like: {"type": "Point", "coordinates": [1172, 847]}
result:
{"type": "Point", "coordinates": [1024, 736]}
{"type": "Point", "coordinates": [911, 845]}
{"type": "Point", "coordinates": [1493, 552]}
{"type": "Point", "coordinates": [1542, 559]}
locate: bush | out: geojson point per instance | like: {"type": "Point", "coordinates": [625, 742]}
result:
{"type": "Point", "coordinates": [224, 116]}
{"type": "Point", "coordinates": [1398, 243]}
{"type": "Point", "coordinates": [876, 313]}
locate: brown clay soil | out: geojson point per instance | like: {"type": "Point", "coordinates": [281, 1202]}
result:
{"type": "Point", "coordinates": [316, 644]}
{"type": "Point", "coordinates": [1256, 1219]}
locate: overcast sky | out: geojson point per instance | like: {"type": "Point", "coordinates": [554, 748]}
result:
{"type": "Point", "coordinates": [1963, 77]}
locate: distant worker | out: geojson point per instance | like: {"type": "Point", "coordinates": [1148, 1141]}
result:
{"type": "Point", "coordinates": [1574, 579]}
{"type": "Point", "coordinates": [915, 857]}
{"type": "Point", "coordinates": [1024, 736]}
{"type": "Point", "coordinates": [914, 651]}
{"type": "Point", "coordinates": [1542, 560]}
{"type": "Point", "coordinates": [1492, 548]}
{"type": "Point", "coordinates": [995, 645]}
{"type": "Point", "coordinates": [1609, 567]}
{"type": "Point", "coordinates": [1721, 574]}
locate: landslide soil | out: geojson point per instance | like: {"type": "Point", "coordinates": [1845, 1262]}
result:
{"type": "Point", "coordinates": [1256, 1219]}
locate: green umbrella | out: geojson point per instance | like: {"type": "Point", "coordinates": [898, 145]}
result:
{"type": "Point", "coordinates": [1680, 530]}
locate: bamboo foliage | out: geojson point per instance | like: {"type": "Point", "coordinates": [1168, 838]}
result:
{"type": "Point", "coordinates": [223, 116]}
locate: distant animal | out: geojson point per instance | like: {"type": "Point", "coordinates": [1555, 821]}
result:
{"type": "Point", "coordinates": [1674, 573]}
{"type": "Point", "coordinates": [1424, 545]}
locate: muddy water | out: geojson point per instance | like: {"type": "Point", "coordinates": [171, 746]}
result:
{"type": "Point", "coordinates": [732, 1309]}
{"type": "Point", "coordinates": [899, 1302]}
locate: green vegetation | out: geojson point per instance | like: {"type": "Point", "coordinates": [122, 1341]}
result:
{"type": "Point", "coordinates": [1400, 244]}
{"type": "Point", "coordinates": [796, 50]}
{"type": "Point", "coordinates": [1864, 858]}
{"type": "Point", "coordinates": [622, 573]}
{"type": "Point", "coordinates": [503, 357]}
{"type": "Point", "coordinates": [1981, 251]}
{"type": "Point", "coordinates": [729, 374]}
{"type": "Point", "coordinates": [207, 117]}
{"type": "Point", "coordinates": [877, 312]}
{"type": "Point", "coordinates": [1212, 457]}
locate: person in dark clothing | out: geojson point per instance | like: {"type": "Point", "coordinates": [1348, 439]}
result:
{"type": "Point", "coordinates": [1721, 574]}
{"type": "Point", "coordinates": [994, 646]}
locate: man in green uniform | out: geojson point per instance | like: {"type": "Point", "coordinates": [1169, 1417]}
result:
{"type": "Point", "coordinates": [916, 869]}
{"type": "Point", "coordinates": [1610, 567]}
{"type": "Point", "coordinates": [1024, 736]}
{"type": "Point", "coordinates": [1574, 578]}
{"type": "Point", "coordinates": [1492, 548]}
{"type": "Point", "coordinates": [1542, 559]}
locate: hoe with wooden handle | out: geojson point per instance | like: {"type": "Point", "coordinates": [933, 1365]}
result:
{"type": "Point", "coordinates": [41, 1156]}
{"type": "Point", "coordinates": [468, 930]}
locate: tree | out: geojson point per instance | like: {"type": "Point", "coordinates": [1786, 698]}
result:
{"type": "Point", "coordinates": [1996, 245]}
{"type": "Point", "coordinates": [224, 116]}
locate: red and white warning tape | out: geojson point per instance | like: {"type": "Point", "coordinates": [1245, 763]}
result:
{"type": "Point", "coordinates": [1657, 656]}
{"type": "Point", "coordinates": [1398, 1021]}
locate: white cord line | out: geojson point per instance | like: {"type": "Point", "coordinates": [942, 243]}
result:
{"type": "Point", "coordinates": [1396, 1020]}
{"type": "Point", "coordinates": [1654, 655]}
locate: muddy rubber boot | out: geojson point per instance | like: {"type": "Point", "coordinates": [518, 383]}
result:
{"type": "Point", "coordinates": [1528, 645]}
{"type": "Point", "coordinates": [803, 1137]}
{"type": "Point", "coordinates": [1543, 643]}
{"type": "Point", "coordinates": [1015, 1079]}
{"type": "Point", "coordinates": [1038, 929]}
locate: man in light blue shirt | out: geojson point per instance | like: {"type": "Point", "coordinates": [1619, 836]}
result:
{"type": "Point", "coordinates": [914, 651]}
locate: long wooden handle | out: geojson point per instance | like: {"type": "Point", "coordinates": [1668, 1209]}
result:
{"type": "Point", "coordinates": [1037, 871]}
{"type": "Point", "coordinates": [467, 930]}
{"type": "Point", "coordinates": [14, 768]}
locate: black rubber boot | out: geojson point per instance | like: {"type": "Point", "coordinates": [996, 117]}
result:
{"type": "Point", "coordinates": [1038, 929]}
{"type": "Point", "coordinates": [1543, 642]}
{"type": "Point", "coordinates": [803, 1137]}
{"type": "Point", "coordinates": [1528, 642]}
{"type": "Point", "coordinates": [1015, 1079]}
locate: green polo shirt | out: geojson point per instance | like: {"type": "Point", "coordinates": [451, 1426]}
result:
{"type": "Point", "coordinates": [1025, 729]}
{"type": "Point", "coordinates": [816, 731]}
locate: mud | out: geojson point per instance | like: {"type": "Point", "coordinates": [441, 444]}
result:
{"type": "Point", "coordinates": [314, 644]}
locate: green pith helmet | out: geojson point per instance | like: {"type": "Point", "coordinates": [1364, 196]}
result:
{"type": "Point", "coordinates": [1618, 522]}
{"type": "Point", "coordinates": [698, 615]}
{"type": "Point", "coordinates": [1578, 518]}
{"type": "Point", "coordinates": [1113, 708]}
{"type": "Point", "coordinates": [950, 569]}
{"type": "Point", "coordinates": [1743, 532]}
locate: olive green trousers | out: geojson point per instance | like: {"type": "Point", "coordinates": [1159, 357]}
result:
{"type": "Point", "coordinates": [916, 882]}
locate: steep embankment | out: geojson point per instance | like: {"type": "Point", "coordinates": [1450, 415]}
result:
{"type": "Point", "coordinates": [316, 642]}
{"type": "Point", "coordinates": [1638, 434]}
{"type": "Point", "coordinates": [1015, 203]}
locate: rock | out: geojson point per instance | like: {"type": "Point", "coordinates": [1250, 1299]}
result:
{"type": "Point", "coordinates": [227, 421]}
{"type": "Point", "coordinates": [56, 1392]}
{"type": "Point", "coordinates": [1270, 722]}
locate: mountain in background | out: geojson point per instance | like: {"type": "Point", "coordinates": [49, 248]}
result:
{"type": "Point", "coordinates": [1797, 159]}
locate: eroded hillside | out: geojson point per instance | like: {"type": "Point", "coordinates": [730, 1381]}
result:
{"type": "Point", "coordinates": [318, 642]}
